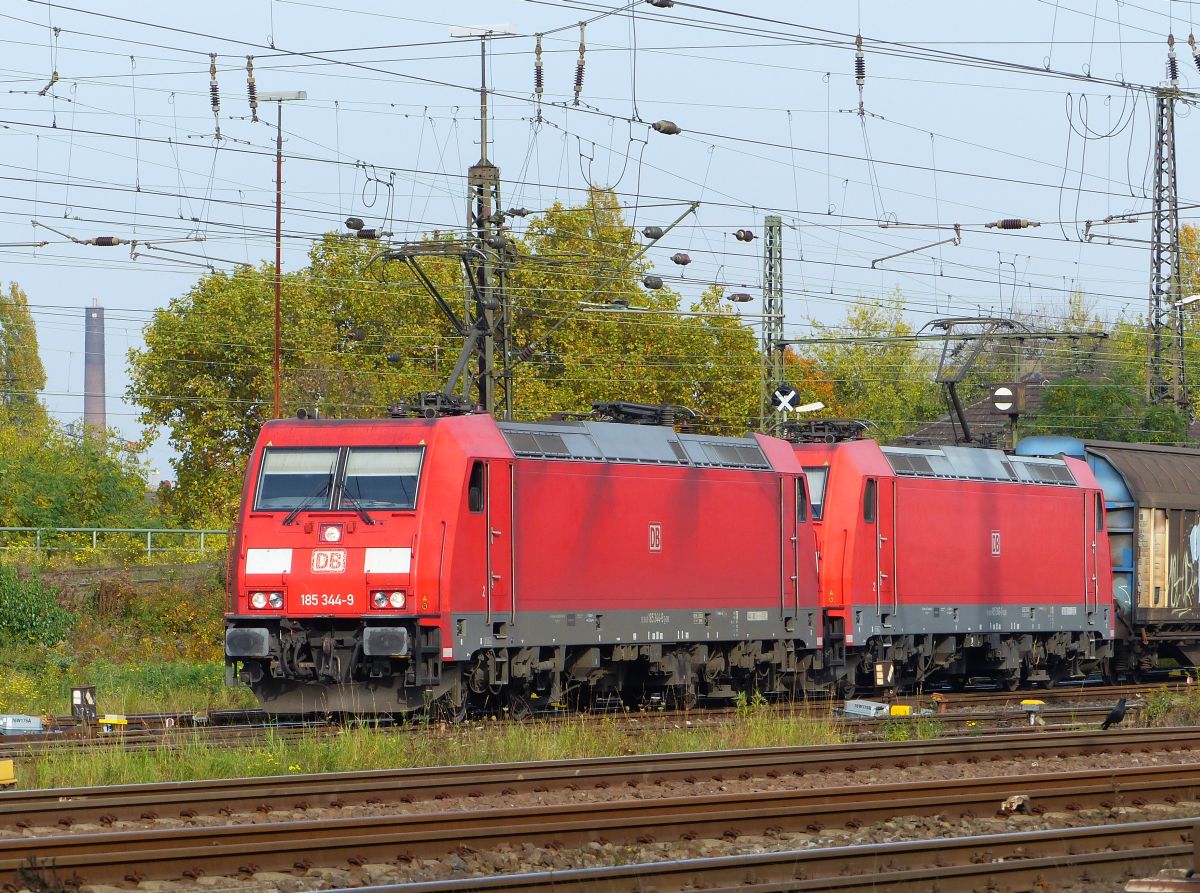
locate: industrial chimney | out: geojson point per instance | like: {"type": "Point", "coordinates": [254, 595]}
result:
{"type": "Point", "coordinates": [93, 367]}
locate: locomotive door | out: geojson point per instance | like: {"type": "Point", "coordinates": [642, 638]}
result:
{"type": "Point", "coordinates": [500, 553]}
{"type": "Point", "coordinates": [1093, 523]}
{"type": "Point", "coordinates": [880, 500]}
{"type": "Point", "coordinates": [790, 494]}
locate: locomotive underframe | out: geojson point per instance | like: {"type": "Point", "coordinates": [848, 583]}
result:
{"type": "Point", "coordinates": [321, 667]}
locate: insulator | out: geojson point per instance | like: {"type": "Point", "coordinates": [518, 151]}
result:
{"type": "Point", "coordinates": [744, 235]}
{"type": "Point", "coordinates": [106, 241]}
{"type": "Point", "coordinates": [670, 128]}
{"type": "Point", "coordinates": [214, 92]}
{"type": "Point", "coordinates": [860, 63]}
{"type": "Point", "coordinates": [367, 233]}
{"type": "Point", "coordinates": [662, 4]}
{"type": "Point", "coordinates": [1172, 68]}
{"type": "Point", "coordinates": [251, 88]}
{"type": "Point", "coordinates": [652, 232]}
{"type": "Point", "coordinates": [49, 84]}
{"type": "Point", "coordinates": [538, 79]}
{"type": "Point", "coordinates": [651, 281]}
{"type": "Point", "coordinates": [680, 258]}
{"type": "Point", "coordinates": [1195, 49]}
{"type": "Point", "coordinates": [517, 212]}
{"type": "Point", "coordinates": [579, 66]}
{"type": "Point", "coordinates": [740, 297]}
{"type": "Point", "coordinates": [1011, 223]}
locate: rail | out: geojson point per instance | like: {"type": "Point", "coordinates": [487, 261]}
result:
{"type": "Point", "coordinates": [47, 540]}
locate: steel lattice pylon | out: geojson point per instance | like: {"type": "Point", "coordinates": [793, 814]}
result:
{"type": "Point", "coordinates": [1164, 261]}
{"type": "Point", "coordinates": [772, 338]}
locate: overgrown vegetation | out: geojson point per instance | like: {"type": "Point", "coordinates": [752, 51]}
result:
{"type": "Point", "coordinates": [366, 748]}
{"type": "Point", "coordinates": [1172, 708]}
{"type": "Point", "coordinates": [147, 649]}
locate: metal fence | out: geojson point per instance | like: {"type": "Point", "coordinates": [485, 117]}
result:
{"type": "Point", "coordinates": [61, 540]}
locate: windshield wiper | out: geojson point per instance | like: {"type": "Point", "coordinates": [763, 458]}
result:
{"type": "Point", "coordinates": [308, 500]}
{"type": "Point", "coordinates": [362, 512]}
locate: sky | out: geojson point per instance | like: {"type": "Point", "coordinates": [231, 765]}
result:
{"type": "Point", "coordinates": [1034, 109]}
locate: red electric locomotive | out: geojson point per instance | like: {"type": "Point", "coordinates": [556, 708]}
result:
{"type": "Point", "coordinates": [958, 562]}
{"type": "Point", "coordinates": [394, 565]}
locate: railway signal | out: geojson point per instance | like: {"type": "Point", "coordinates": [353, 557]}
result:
{"type": "Point", "coordinates": [1009, 399]}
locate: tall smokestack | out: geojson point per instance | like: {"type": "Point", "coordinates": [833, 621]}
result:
{"type": "Point", "coordinates": [93, 367]}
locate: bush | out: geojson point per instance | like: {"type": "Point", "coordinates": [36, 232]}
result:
{"type": "Point", "coordinates": [28, 611]}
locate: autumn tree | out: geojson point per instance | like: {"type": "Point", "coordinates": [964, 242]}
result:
{"type": "Point", "coordinates": [359, 333]}
{"type": "Point", "coordinates": [22, 376]}
{"type": "Point", "coordinates": [874, 368]}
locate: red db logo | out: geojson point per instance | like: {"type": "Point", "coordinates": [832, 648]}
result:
{"type": "Point", "coordinates": [329, 561]}
{"type": "Point", "coordinates": [655, 537]}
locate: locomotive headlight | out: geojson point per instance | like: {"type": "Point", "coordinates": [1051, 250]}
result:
{"type": "Point", "coordinates": [258, 600]}
{"type": "Point", "coordinates": [275, 599]}
{"type": "Point", "coordinates": [396, 600]}
{"type": "Point", "coordinates": [379, 599]}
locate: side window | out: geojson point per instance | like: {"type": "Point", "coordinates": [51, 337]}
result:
{"type": "Point", "coordinates": [475, 489]}
{"type": "Point", "coordinates": [1099, 513]}
{"type": "Point", "coordinates": [816, 476]}
{"type": "Point", "coordinates": [801, 501]}
{"type": "Point", "coordinates": [869, 495]}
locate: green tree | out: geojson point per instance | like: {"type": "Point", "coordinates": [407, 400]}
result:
{"type": "Point", "coordinates": [22, 376]}
{"type": "Point", "coordinates": [357, 334]}
{"type": "Point", "coordinates": [64, 477]}
{"type": "Point", "coordinates": [876, 371]}
{"type": "Point", "coordinates": [1100, 410]}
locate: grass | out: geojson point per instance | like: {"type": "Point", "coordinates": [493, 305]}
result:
{"type": "Point", "coordinates": [40, 684]}
{"type": "Point", "coordinates": [356, 748]}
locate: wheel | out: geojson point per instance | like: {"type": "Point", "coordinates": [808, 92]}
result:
{"type": "Point", "coordinates": [844, 688]}
{"type": "Point", "coordinates": [446, 709]}
{"type": "Point", "coordinates": [519, 707]}
{"type": "Point", "coordinates": [1108, 671]}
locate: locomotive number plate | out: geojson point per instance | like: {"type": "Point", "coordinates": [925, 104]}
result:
{"type": "Point", "coordinates": [329, 561]}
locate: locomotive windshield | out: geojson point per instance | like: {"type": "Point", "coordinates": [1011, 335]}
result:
{"type": "Point", "coordinates": [292, 478]}
{"type": "Point", "coordinates": [381, 478]}
{"type": "Point", "coordinates": [355, 478]}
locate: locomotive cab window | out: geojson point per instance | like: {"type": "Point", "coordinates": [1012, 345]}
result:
{"type": "Point", "coordinates": [475, 489]}
{"type": "Point", "coordinates": [801, 501]}
{"type": "Point", "coordinates": [294, 478]}
{"type": "Point", "coordinates": [869, 496]}
{"type": "Point", "coordinates": [816, 478]}
{"type": "Point", "coordinates": [381, 478]}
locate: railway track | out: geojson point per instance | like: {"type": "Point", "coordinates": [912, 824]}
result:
{"type": "Point", "coordinates": [248, 727]}
{"type": "Point", "coordinates": [167, 854]}
{"type": "Point", "coordinates": [109, 804]}
{"type": "Point", "coordinates": [998, 863]}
